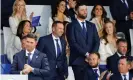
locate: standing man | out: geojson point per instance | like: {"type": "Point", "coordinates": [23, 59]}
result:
{"type": "Point", "coordinates": [31, 61]}
{"type": "Point", "coordinates": [121, 11]}
{"type": "Point", "coordinates": [83, 40]}
{"type": "Point", "coordinates": [55, 48]}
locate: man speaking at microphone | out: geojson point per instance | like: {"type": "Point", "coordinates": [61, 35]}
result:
{"type": "Point", "coordinates": [31, 61]}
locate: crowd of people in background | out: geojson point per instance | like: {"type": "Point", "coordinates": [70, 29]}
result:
{"type": "Point", "coordinates": [91, 47]}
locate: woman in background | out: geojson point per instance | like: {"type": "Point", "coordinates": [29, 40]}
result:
{"type": "Point", "coordinates": [99, 17]}
{"type": "Point", "coordinates": [19, 14]}
{"type": "Point", "coordinates": [107, 42]}
{"type": "Point", "coordinates": [24, 28]}
{"type": "Point", "coordinates": [58, 14]}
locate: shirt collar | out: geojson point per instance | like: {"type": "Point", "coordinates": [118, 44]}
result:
{"type": "Point", "coordinates": [96, 68]}
{"type": "Point", "coordinates": [80, 21]}
{"type": "Point", "coordinates": [125, 74]}
{"type": "Point", "coordinates": [119, 54]}
{"type": "Point", "coordinates": [55, 37]}
{"type": "Point", "coordinates": [32, 52]}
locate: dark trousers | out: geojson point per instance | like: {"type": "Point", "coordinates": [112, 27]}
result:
{"type": "Point", "coordinates": [78, 72]}
{"type": "Point", "coordinates": [57, 75]}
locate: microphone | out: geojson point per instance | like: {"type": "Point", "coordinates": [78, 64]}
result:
{"type": "Point", "coordinates": [26, 59]}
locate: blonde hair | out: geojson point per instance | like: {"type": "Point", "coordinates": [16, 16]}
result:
{"type": "Point", "coordinates": [23, 16]}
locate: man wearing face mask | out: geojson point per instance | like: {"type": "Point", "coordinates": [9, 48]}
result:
{"type": "Point", "coordinates": [112, 61]}
{"type": "Point", "coordinates": [83, 39]}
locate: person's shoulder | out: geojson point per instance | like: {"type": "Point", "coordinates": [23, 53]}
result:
{"type": "Point", "coordinates": [102, 40]}
{"type": "Point", "coordinates": [20, 53]}
{"type": "Point", "coordinates": [112, 57]}
{"type": "Point", "coordinates": [45, 37]}
{"type": "Point", "coordinates": [41, 53]}
{"type": "Point", "coordinates": [130, 74]}
{"type": "Point", "coordinates": [90, 23]}
{"type": "Point", "coordinates": [11, 17]}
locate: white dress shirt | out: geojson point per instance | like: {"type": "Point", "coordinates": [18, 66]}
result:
{"type": "Point", "coordinates": [59, 42]}
{"type": "Point", "coordinates": [80, 22]}
{"type": "Point", "coordinates": [127, 76]}
{"type": "Point", "coordinates": [98, 71]}
{"type": "Point", "coordinates": [32, 53]}
{"type": "Point", "coordinates": [120, 54]}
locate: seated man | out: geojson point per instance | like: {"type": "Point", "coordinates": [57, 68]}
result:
{"type": "Point", "coordinates": [112, 61]}
{"type": "Point", "coordinates": [123, 68]}
{"type": "Point", "coordinates": [93, 71]}
{"type": "Point", "coordinates": [30, 61]}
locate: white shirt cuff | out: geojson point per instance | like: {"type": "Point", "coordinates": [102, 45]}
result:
{"type": "Point", "coordinates": [87, 54]}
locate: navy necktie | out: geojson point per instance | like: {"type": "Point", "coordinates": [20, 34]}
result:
{"type": "Point", "coordinates": [58, 48]}
{"type": "Point", "coordinates": [29, 54]}
{"type": "Point", "coordinates": [96, 74]}
{"type": "Point", "coordinates": [83, 28]}
{"type": "Point", "coordinates": [124, 77]}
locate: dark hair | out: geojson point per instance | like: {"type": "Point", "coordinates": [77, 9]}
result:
{"type": "Point", "coordinates": [56, 22]}
{"type": "Point", "coordinates": [121, 40]}
{"type": "Point", "coordinates": [104, 15]}
{"type": "Point", "coordinates": [54, 9]}
{"type": "Point", "coordinates": [21, 27]}
{"type": "Point", "coordinates": [32, 35]}
{"type": "Point", "coordinates": [98, 55]}
{"type": "Point", "coordinates": [105, 33]}
{"type": "Point", "coordinates": [78, 5]}
{"type": "Point", "coordinates": [23, 37]}
{"type": "Point", "coordinates": [127, 59]}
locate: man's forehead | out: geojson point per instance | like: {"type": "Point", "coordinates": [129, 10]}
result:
{"type": "Point", "coordinates": [83, 7]}
{"type": "Point", "coordinates": [30, 39]}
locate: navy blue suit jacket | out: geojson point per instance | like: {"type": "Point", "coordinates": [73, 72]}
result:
{"type": "Point", "coordinates": [39, 63]}
{"type": "Point", "coordinates": [89, 73]}
{"type": "Point", "coordinates": [119, 12]}
{"type": "Point", "coordinates": [80, 44]}
{"type": "Point", "coordinates": [112, 63]}
{"type": "Point", "coordinates": [46, 45]}
{"type": "Point", "coordinates": [119, 77]}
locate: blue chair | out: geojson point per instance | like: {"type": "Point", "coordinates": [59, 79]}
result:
{"type": "Point", "coordinates": [5, 65]}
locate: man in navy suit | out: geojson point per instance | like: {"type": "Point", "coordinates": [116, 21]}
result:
{"type": "Point", "coordinates": [55, 48]}
{"type": "Point", "coordinates": [121, 11]}
{"type": "Point", "coordinates": [83, 39]}
{"type": "Point", "coordinates": [123, 68]}
{"type": "Point", "coordinates": [112, 61]}
{"type": "Point", "coordinates": [93, 71]}
{"type": "Point", "coordinates": [31, 61]}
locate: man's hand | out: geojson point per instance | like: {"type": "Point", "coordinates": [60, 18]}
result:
{"type": "Point", "coordinates": [27, 69]}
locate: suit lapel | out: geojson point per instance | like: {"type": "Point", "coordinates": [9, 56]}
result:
{"type": "Point", "coordinates": [79, 28]}
{"type": "Point", "coordinates": [51, 44]}
{"type": "Point", "coordinates": [35, 56]}
{"type": "Point", "coordinates": [101, 70]}
{"type": "Point", "coordinates": [130, 76]}
{"type": "Point", "coordinates": [24, 60]}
